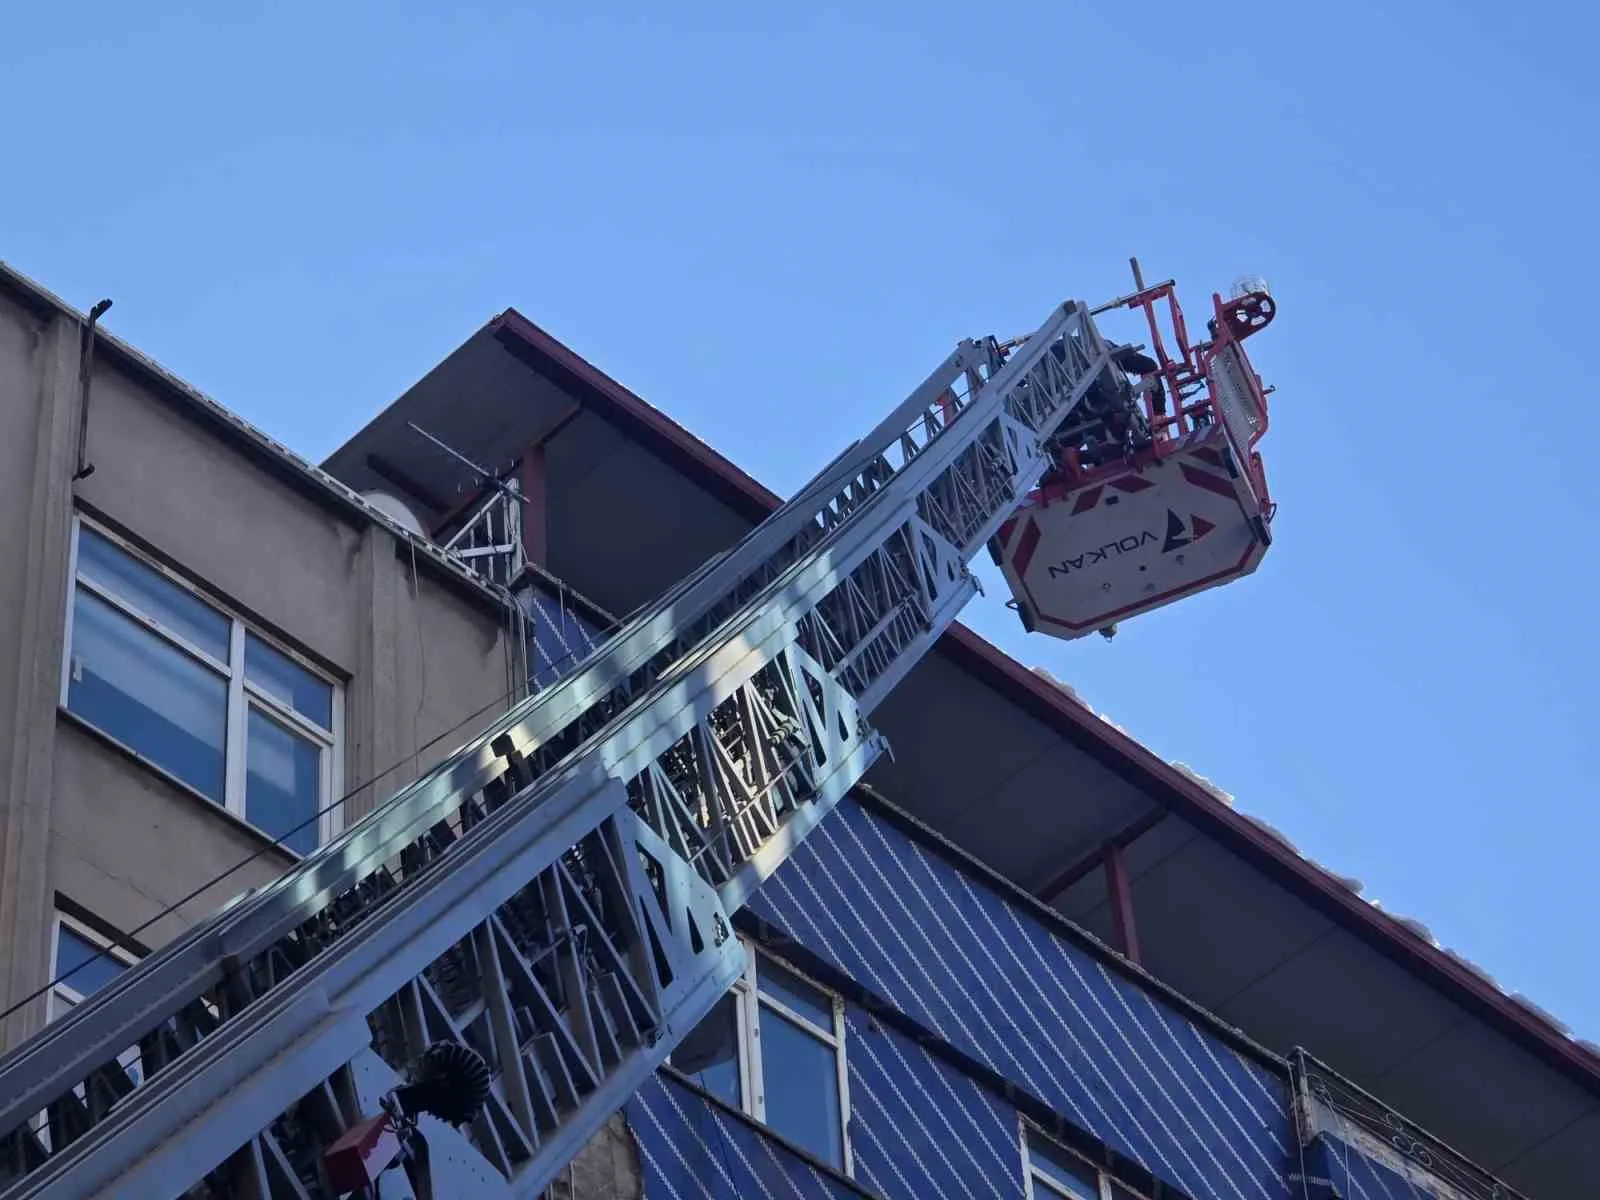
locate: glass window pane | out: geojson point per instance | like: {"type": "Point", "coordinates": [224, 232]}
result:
{"type": "Point", "coordinates": [800, 1080]}
{"type": "Point", "coordinates": [283, 783]}
{"type": "Point", "coordinates": [1118, 1192]}
{"type": "Point", "coordinates": [1070, 1174]}
{"type": "Point", "coordinates": [157, 597]}
{"type": "Point", "coordinates": [77, 954]}
{"type": "Point", "coordinates": [288, 682]}
{"type": "Point", "coordinates": [710, 1053]}
{"type": "Point", "coordinates": [795, 993]}
{"type": "Point", "coordinates": [148, 694]}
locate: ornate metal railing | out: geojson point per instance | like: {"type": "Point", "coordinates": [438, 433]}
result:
{"type": "Point", "coordinates": [1328, 1104]}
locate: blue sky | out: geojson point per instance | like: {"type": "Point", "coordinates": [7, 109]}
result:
{"type": "Point", "coordinates": [772, 224]}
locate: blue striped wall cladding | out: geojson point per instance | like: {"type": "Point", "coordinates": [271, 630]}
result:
{"type": "Point", "coordinates": [1335, 1170]}
{"type": "Point", "coordinates": [922, 1130]}
{"type": "Point", "coordinates": [559, 639]}
{"type": "Point", "coordinates": [919, 1130]}
{"type": "Point", "coordinates": [996, 984]}
{"type": "Point", "coordinates": [689, 1149]}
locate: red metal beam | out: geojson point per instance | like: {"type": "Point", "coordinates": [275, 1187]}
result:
{"type": "Point", "coordinates": [648, 425]}
{"type": "Point", "coordinates": [531, 480]}
{"type": "Point", "coordinates": [1096, 858]}
{"type": "Point", "coordinates": [1123, 930]}
{"type": "Point", "coordinates": [534, 526]}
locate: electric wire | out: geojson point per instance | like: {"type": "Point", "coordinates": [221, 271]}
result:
{"type": "Point", "coordinates": [278, 842]}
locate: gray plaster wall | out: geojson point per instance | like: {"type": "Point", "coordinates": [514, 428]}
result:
{"type": "Point", "coordinates": [198, 501]}
{"type": "Point", "coordinates": [21, 349]}
{"type": "Point", "coordinates": [423, 663]}
{"type": "Point", "coordinates": [126, 844]}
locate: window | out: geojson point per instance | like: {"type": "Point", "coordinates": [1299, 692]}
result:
{"type": "Point", "coordinates": [192, 690]}
{"type": "Point", "coordinates": [75, 951]}
{"type": "Point", "coordinates": [77, 955]}
{"type": "Point", "coordinates": [713, 1052]}
{"type": "Point", "coordinates": [774, 1047]}
{"type": "Point", "coordinates": [1052, 1172]}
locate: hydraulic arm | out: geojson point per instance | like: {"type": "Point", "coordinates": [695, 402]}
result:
{"type": "Point", "coordinates": [556, 895]}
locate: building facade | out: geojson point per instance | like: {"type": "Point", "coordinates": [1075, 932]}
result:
{"type": "Point", "coordinates": [1029, 958]}
{"type": "Point", "coordinates": [213, 655]}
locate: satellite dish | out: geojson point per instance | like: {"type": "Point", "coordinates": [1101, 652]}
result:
{"type": "Point", "coordinates": [396, 510]}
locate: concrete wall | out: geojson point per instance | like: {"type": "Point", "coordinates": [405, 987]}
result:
{"type": "Point", "coordinates": [126, 844]}
{"type": "Point", "coordinates": [431, 673]}
{"type": "Point", "coordinates": [37, 370]}
{"type": "Point", "coordinates": [196, 500]}
{"type": "Point", "coordinates": [84, 819]}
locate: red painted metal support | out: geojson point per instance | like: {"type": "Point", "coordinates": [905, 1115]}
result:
{"type": "Point", "coordinates": [531, 481]}
{"type": "Point", "coordinates": [1120, 889]}
{"type": "Point", "coordinates": [535, 528]}
{"type": "Point", "coordinates": [1095, 859]}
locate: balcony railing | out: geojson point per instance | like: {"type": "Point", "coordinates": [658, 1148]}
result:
{"type": "Point", "coordinates": [490, 541]}
{"type": "Point", "coordinates": [1330, 1105]}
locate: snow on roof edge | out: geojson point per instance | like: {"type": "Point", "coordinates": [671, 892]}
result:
{"type": "Point", "coordinates": [1411, 925]}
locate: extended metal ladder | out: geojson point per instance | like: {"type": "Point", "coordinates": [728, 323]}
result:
{"type": "Point", "coordinates": [557, 893]}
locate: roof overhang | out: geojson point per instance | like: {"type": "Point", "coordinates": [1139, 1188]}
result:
{"type": "Point", "coordinates": [1121, 754]}
{"type": "Point", "coordinates": [1290, 952]}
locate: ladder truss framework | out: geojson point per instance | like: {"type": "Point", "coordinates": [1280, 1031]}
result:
{"type": "Point", "coordinates": [557, 893]}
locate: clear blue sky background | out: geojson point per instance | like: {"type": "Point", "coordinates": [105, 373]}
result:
{"type": "Point", "coordinates": [771, 226]}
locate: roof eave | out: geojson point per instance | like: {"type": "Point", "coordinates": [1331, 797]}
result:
{"type": "Point", "coordinates": [265, 451]}
{"type": "Point", "coordinates": [1109, 746]}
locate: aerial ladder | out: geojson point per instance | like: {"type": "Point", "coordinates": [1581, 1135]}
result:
{"type": "Point", "coordinates": [456, 993]}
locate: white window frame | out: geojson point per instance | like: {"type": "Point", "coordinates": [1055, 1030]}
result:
{"type": "Point", "coordinates": [753, 999]}
{"type": "Point", "coordinates": [748, 1003]}
{"type": "Point", "coordinates": [244, 696]}
{"type": "Point", "coordinates": [1036, 1185]}
{"type": "Point", "coordinates": [63, 995]}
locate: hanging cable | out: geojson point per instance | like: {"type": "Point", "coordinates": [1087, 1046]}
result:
{"type": "Point", "coordinates": [275, 843]}
{"type": "Point", "coordinates": [278, 842]}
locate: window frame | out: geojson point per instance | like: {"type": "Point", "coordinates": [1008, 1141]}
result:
{"type": "Point", "coordinates": [64, 993]}
{"type": "Point", "coordinates": [1036, 1185]}
{"type": "Point", "coordinates": [832, 1038]}
{"type": "Point", "coordinates": [742, 1035]}
{"type": "Point", "coordinates": [748, 1003]}
{"type": "Point", "coordinates": [61, 997]}
{"type": "Point", "coordinates": [243, 695]}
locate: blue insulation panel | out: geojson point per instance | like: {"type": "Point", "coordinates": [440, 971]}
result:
{"type": "Point", "coordinates": [996, 984]}
{"type": "Point", "coordinates": [920, 1127]}
{"type": "Point", "coordinates": [999, 986]}
{"type": "Point", "coordinates": [688, 1147]}
{"type": "Point", "coordinates": [558, 639]}
{"type": "Point", "coordinates": [919, 1130]}
{"type": "Point", "coordinates": [1337, 1169]}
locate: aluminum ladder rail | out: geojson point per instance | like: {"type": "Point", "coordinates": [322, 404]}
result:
{"type": "Point", "coordinates": [172, 1000]}
{"type": "Point", "coordinates": [582, 925]}
{"type": "Point", "coordinates": [182, 987]}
